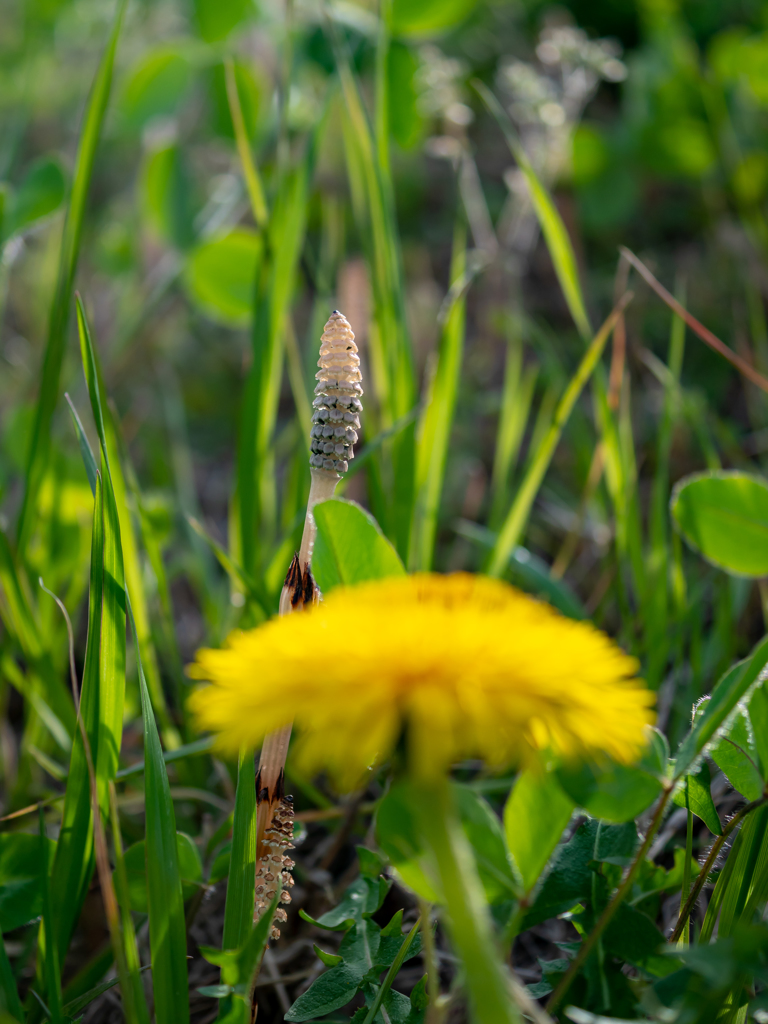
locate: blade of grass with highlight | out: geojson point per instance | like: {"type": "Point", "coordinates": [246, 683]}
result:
{"type": "Point", "coordinates": [250, 171]}
{"type": "Point", "coordinates": [241, 883]}
{"type": "Point", "coordinates": [553, 229]}
{"type": "Point", "coordinates": [52, 960]}
{"type": "Point", "coordinates": [434, 430]}
{"type": "Point", "coordinates": [74, 860]}
{"type": "Point", "coordinates": [238, 912]}
{"type": "Point", "coordinates": [130, 947]}
{"type": "Point", "coordinates": [167, 929]}
{"type": "Point", "coordinates": [101, 704]}
{"type": "Point", "coordinates": [391, 352]}
{"type": "Point", "coordinates": [108, 438]}
{"type": "Point", "coordinates": [255, 459]}
{"type": "Point", "coordinates": [517, 517]}
{"type": "Point", "coordinates": [516, 398]}
{"type": "Point", "coordinates": [40, 442]}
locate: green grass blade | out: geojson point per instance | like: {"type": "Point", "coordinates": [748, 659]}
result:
{"type": "Point", "coordinates": [516, 399]}
{"type": "Point", "coordinates": [39, 449]}
{"type": "Point", "coordinates": [238, 912]}
{"type": "Point", "coordinates": [107, 432]}
{"type": "Point", "coordinates": [51, 950]}
{"type": "Point", "coordinates": [552, 227]}
{"type": "Point", "coordinates": [437, 417]}
{"type": "Point", "coordinates": [139, 1011]}
{"type": "Point", "coordinates": [9, 994]}
{"type": "Point", "coordinates": [389, 342]}
{"type": "Point", "coordinates": [167, 930]}
{"type": "Point", "coordinates": [74, 861]}
{"type": "Point", "coordinates": [255, 472]}
{"type": "Point", "coordinates": [202, 746]}
{"type": "Point", "coordinates": [250, 170]}
{"type": "Point", "coordinates": [517, 517]}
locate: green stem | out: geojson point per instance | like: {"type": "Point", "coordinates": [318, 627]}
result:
{"type": "Point", "coordinates": [685, 937]}
{"type": "Point", "coordinates": [397, 963]}
{"type": "Point", "coordinates": [488, 986]}
{"type": "Point", "coordinates": [430, 962]}
{"type": "Point", "coordinates": [607, 915]}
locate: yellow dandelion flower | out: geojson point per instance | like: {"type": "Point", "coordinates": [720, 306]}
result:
{"type": "Point", "coordinates": [464, 666]}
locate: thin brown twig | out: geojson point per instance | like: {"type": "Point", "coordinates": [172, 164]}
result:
{"type": "Point", "coordinates": [706, 868]}
{"type": "Point", "coordinates": [745, 368]}
{"type": "Point", "coordinates": [607, 915]}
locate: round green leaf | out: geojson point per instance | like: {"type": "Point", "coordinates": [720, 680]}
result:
{"type": "Point", "coordinates": [617, 792]}
{"type": "Point", "coordinates": [156, 87]}
{"type": "Point", "coordinates": [40, 194]}
{"type": "Point", "coordinates": [350, 547]}
{"type": "Point", "coordinates": [220, 276]}
{"type": "Point", "coordinates": [216, 18]}
{"type": "Point", "coordinates": [190, 869]}
{"type": "Point", "coordinates": [724, 516]}
{"type": "Point", "coordinates": [424, 17]}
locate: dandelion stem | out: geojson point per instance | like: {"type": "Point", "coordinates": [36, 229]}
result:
{"type": "Point", "coordinates": [489, 989]}
{"type": "Point", "coordinates": [607, 915]}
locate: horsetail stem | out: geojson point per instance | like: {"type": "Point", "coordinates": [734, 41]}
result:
{"type": "Point", "coordinates": [335, 426]}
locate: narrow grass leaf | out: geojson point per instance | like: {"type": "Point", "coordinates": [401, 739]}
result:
{"type": "Point", "coordinates": [273, 292]}
{"type": "Point", "coordinates": [131, 564]}
{"type": "Point", "coordinates": [238, 912]}
{"type": "Point", "coordinates": [39, 448]}
{"type": "Point", "coordinates": [553, 229]}
{"type": "Point", "coordinates": [74, 861]}
{"type": "Point", "coordinates": [514, 524]}
{"type": "Point", "coordinates": [50, 946]}
{"type": "Point", "coordinates": [434, 431]}
{"type": "Point", "coordinates": [167, 930]}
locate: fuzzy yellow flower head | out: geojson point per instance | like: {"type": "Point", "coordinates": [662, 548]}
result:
{"type": "Point", "coordinates": [463, 666]}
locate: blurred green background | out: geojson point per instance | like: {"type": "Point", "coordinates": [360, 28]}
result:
{"type": "Point", "coordinates": [649, 123]}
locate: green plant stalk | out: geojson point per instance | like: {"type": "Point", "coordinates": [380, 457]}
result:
{"type": "Point", "coordinates": [51, 951]}
{"type": "Point", "coordinates": [130, 949]}
{"type": "Point", "coordinates": [167, 927]}
{"type": "Point", "coordinates": [40, 443]}
{"type": "Point", "coordinates": [517, 395]}
{"type": "Point", "coordinates": [685, 936]}
{"type": "Point", "coordinates": [391, 974]}
{"type": "Point", "coordinates": [514, 524]}
{"type": "Point", "coordinates": [250, 171]}
{"type": "Point", "coordinates": [430, 961]}
{"type": "Point", "coordinates": [553, 229]}
{"type": "Point", "coordinates": [468, 922]}
{"type": "Point", "coordinates": [701, 879]}
{"type": "Point", "coordinates": [434, 430]}
{"type": "Point", "coordinates": [238, 911]}
{"type": "Point", "coordinates": [617, 899]}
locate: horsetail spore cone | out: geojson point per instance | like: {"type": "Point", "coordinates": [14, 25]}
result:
{"type": "Point", "coordinates": [335, 424]}
{"type": "Point", "coordinates": [337, 405]}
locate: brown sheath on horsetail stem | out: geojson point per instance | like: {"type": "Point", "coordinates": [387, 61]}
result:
{"type": "Point", "coordinates": [335, 427]}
